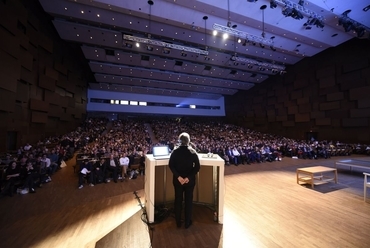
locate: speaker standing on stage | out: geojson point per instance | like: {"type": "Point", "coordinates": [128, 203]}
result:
{"type": "Point", "coordinates": [184, 164]}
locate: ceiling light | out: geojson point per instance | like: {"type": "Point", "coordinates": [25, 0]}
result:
{"type": "Point", "coordinates": [242, 34]}
{"type": "Point", "coordinates": [225, 36]}
{"type": "Point", "coordinates": [214, 32]}
{"type": "Point", "coordinates": [273, 4]}
{"type": "Point", "coordinates": [163, 44]}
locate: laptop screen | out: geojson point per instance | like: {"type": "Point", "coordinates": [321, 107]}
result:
{"type": "Point", "coordinates": [160, 151]}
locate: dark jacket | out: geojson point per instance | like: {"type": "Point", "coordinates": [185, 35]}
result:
{"type": "Point", "coordinates": [184, 162]}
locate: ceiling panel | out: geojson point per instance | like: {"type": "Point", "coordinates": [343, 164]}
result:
{"type": "Point", "coordinates": [177, 52]}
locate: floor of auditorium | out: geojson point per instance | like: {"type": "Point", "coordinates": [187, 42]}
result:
{"type": "Point", "coordinates": [264, 207]}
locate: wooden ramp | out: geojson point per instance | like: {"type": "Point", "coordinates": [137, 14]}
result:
{"type": "Point", "coordinates": [80, 226]}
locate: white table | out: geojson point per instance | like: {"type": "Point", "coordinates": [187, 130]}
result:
{"type": "Point", "coordinates": [212, 171]}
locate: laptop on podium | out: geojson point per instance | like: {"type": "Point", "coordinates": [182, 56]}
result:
{"type": "Point", "coordinates": [161, 152]}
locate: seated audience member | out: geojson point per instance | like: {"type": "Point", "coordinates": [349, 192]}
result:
{"type": "Point", "coordinates": [112, 166]}
{"type": "Point", "coordinates": [99, 171]}
{"type": "Point", "coordinates": [11, 177]}
{"type": "Point", "coordinates": [29, 176]}
{"type": "Point", "coordinates": [85, 172]}
{"type": "Point", "coordinates": [124, 161]}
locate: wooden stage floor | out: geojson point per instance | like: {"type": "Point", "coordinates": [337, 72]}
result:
{"type": "Point", "coordinates": [264, 207]}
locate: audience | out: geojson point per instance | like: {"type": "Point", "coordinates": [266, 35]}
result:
{"type": "Point", "coordinates": [117, 149]}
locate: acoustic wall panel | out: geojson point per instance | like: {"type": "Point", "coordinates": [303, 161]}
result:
{"type": "Point", "coordinates": [323, 122]}
{"type": "Point", "coordinates": [27, 76]}
{"type": "Point", "coordinates": [363, 103]}
{"type": "Point", "coordinates": [355, 65]}
{"type": "Point", "coordinates": [327, 81]}
{"type": "Point", "coordinates": [359, 93]}
{"type": "Point", "coordinates": [38, 105]}
{"type": "Point", "coordinates": [46, 82]}
{"type": "Point", "coordinates": [355, 122]}
{"type": "Point", "coordinates": [22, 94]}
{"type": "Point", "coordinates": [39, 117]}
{"type": "Point", "coordinates": [9, 44]}
{"type": "Point", "coordinates": [302, 117]}
{"type": "Point", "coordinates": [325, 72]}
{"type": "Point", "coordinates": [358, 113]}
{"type": "Point", "coordinates": [7, 100]}
{"type": "Point", "coordinates": [26, 60]}
{"type": "Point", "coordinates": [335, 96]}
{"type": "Point", "coordinates": [52, 97]}
{"type": "Point", "coordinates": [329, 105]}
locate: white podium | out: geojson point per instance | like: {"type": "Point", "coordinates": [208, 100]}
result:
{"type": "Point", "coordinates": [209, 189]}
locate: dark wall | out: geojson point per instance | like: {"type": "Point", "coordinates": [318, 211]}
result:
{"type": "Point", "coordinates": [328, 94]}
{"type": "Point", "coordinates": [42, 80]}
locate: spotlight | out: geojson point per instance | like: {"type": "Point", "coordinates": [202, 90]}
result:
{"type": "Point", "coordinates": [166, 51]}
{"type": "Point", "coordinates": [360, 31]}
{"type": "Point", "coordinates": [129, 45]}
{"type": "Point", "coordinates": [214, 32]}
{"type": "Point", "coordinates": [137, 44]}
{"type": "Point", "coordinates": [301, 2]}
{"type": "Point", "coordinates": [236, 63]}
{"type": "Point", "coordinates": [244, 43]}
{"type": "Point", "coordinates": [183, 54]}
{"type": "Point", "coordinates": [239, 40]}
{"type": "Point", "coordinates": [225, 36]}
{"type": "Point", "coordinates": [206, 58]}
{"type": "Point", "coordinates": [273, 48]}
{"type": "Point", "coordinates": [273, 4]}
{"type": "Point", "coordinates": [250, 66]}
{"type": "Point", "coordinates": [149, 48]}
{"type": "Point", "coordinates": [262, 45]}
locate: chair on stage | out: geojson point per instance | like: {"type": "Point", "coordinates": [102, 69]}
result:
{"type": "Point", "coordinates": [366, 183]}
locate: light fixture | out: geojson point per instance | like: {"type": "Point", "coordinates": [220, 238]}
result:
{"type": "Point", "coordinates": [166, 51]}
{"type": "Point", "coordinates": [163, 44]}
{"type": "Point", "coordinates": [273, 4]}
{"type": "Point", "coordinates": [167, 46]}
{"type": "Point", "coordinates": [349, 24]}
{"type": "Point", "coordinates": [252, 62]}
{"type": "Point", "coordinates": [184, 54]}
{"type": "Point", "coordinates": [242, 34]}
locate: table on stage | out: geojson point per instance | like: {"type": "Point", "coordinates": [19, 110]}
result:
{"type": "Point", "coordinates": [316, 175]}
{"type": "Point", "coordinates": [209, 189]}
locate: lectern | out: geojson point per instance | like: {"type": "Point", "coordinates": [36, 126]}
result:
{"type": "Point", "coordinates": [209, 189]}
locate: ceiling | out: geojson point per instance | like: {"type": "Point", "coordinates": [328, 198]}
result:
{"type": "Point", "coordinates": [184, 58]}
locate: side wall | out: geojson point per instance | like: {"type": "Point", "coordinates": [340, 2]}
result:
{"type": "Point", "coordinates": [328, 94]}
{"type": "Point", "coordinates": [42, 84]}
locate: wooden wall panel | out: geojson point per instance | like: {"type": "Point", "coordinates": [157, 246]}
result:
{"type": "Point", "coordinates": [39, 117]}
{"type": "Point", "coordinates": [60, 68]}
{"type": "Point", "coordinates": [323, 122]}
{"type": "Point", "coordinates": [7, 100]}
{"type": "Point", "coordinates": [335, 96]}
{"type": "Point", "coordinates": [22, 94]}
{"type": "Point", "coordinates": [52, 97]}
{"type": "Point", "coordinates": [359, 93]}
{"type": "Point", "coordinates": [325, 72]}
{"type": "Point", "coordinates": [47, 82]}
{"type": "Point", "coordinates": [302, 117]}
{"type": "Point", "coordinates": [355, 122]}
{"type": "Point", "coordinates": [9, 44]}
{"type": "Point", "coordinates": [38, 105]}
{"type": "Point", "coordinates": [55, 111]}
{"type": "Point", "coordinates": [358, 64]}
{"type": "Point", "coordinates": [327, 81]}
{"type": "Point", "coordinates": [27, 60]}
{"type": "Point", "coordinates": [329, 105]}
{"type": "Point", "coordinates": [356, 113]}
{"type": "Point", "coordinates": [27, 76]}
{"type": "Point", "coordinates": [8, 83]}
{"type": "Point", "coordinates": [363, 103]}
